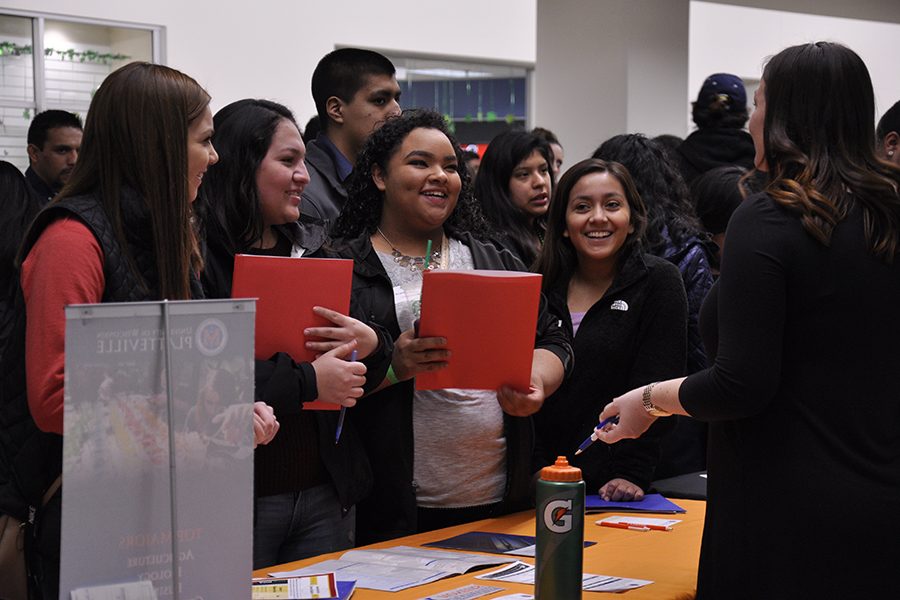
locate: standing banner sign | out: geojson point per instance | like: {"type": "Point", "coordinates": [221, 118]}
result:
{"type": "Point", "coordinates": [127, 508]}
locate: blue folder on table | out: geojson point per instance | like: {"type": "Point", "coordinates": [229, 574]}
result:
{"type": "Point", "coordinates": [652, 503]}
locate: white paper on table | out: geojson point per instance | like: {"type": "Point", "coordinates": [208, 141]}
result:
{"type": "Point", "coordinates": [397, 568]}
{"type": "Point", "coordinates": [466, 592]}
{"type": "Point", "coordinates": [136, 590]}
{"type": "Point", "coordinates": [639, 521]}
{"type": "Point", "coordinates": [520, 572]}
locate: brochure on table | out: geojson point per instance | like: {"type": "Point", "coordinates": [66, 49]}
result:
{"type": "Point", "coordinates": [520, 572]}
{"type": "Point", "coordinates": [122, 498]}
{"type": "Point", "coordinates": [397, 568]}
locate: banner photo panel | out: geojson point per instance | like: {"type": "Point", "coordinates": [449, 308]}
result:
{"type": "Point", "coordinates": [117, 512]}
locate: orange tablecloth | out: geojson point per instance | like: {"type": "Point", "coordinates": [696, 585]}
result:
{"type": "Point", "coordinates": [668, 558]}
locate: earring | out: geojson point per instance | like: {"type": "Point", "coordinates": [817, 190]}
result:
{"type": "Point", "coordinates": [890, 152]}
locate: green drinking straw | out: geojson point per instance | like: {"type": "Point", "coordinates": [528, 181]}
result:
{"type": "Point", "coordinates": [427, 255]}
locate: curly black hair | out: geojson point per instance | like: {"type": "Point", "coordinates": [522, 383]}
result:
{"type": "Point", "coordinates": [362, 211]}
{"type": "Point", "coordinates": [659, 184]}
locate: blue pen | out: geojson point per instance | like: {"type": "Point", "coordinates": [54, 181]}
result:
{"type": "Point", "coordinates": [593, 437]}
{"type": "Point", "coordinates": [340, 425]}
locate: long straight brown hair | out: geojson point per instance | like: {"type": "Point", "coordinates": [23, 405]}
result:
{"type": "Point", "coordinates": [135, 136]}
{"type": "Point", "coordinates": [819, 138]}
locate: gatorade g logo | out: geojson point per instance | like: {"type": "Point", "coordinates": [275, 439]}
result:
{"type": "Point", "coordinates": [558, 516]}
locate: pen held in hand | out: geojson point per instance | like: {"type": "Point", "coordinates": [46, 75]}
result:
{"type": "Point", "coordinates": [593, 437]}
{"type": "Point", "coordinates": [340, 424]}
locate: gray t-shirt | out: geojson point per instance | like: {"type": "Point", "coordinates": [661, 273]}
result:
{"type": "Point", "coordinates": [460, 447]}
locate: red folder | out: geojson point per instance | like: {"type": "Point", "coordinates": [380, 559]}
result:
{"type": "Point", "coordinates": [286, 290]}
{"type": "Point", "coordinates": [489, 319]}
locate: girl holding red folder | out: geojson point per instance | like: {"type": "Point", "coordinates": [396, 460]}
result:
{"type": "Point", "coordinates": [306, 485]}
{"type": "Point", "coordinates": [445, 456]}
{"type": "Point", "coordinates": [119, 231]}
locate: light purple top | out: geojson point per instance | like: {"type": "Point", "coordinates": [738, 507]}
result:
{"type": "Point", "coordinates": [577, 317]}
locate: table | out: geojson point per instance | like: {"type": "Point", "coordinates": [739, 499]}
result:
{"type": "Point", "coordinates": [669, 558]}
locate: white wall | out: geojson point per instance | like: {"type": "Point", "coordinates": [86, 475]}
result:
{"type": "Point", "coordinates": [269, 48]}
{"type": "Point", "coordinates": [738, 39]}
{"type": "Point", "coordinates": [610, 67]}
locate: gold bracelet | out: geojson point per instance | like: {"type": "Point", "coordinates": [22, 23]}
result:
{"type": "Point", "coordinates": [652, 409]}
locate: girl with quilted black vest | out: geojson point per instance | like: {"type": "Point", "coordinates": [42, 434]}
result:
{"type": "Point", "coordinates": [119, 231]}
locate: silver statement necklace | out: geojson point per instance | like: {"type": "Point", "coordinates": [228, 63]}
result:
{"type": "Point", "coordinates": [440, 258]}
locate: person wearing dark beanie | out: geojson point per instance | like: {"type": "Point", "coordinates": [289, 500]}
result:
{"type": "Point", "coordinates": [720, 113]}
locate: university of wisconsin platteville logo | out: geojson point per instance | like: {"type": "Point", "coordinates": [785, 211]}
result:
{"type": "Point", "coordinates": [211, 337]}
{"type": "Point", "coordinates": [558, 516]}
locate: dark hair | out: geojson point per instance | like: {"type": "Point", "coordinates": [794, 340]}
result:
{"type": "Point", "coordinates": [136, 137]}
{"type": "Point", "coordinates": [820, 147]}
{"type": "Point", "coordinates": [342, 73]}
{"type": "Point", "coordinates": [558, 260]}
{"type": "Point", "coordinates": [660, 185]}
{"type": "Point", "coordinates": [669, 142]}
{"type": "Point", "coordinates": [890, 121]}
{"type": "Point", "coordinates": [362, 211]}
{"type": "Point", "coordinates": [47, 120]}
{"type": "Point", "coordinates": [718, 114]}
{"type": "Point", "coordinates": [312, 129]}
{"type": "Point", "coordinates": [499, 161]}
{"type": "Point", "coordinates": [228, 205]}
{"type": "Point", "coordinates": [470, 155]}
{"type": "Point", "coordinates": [546, 135]}
{"type": "Point", "coordinates": [19, 208]}
{"type": "Point", "coordinates": [716, 194]}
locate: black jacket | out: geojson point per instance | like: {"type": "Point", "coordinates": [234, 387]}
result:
{"type": "Point", "coordinates": [712, 147]}
{"type": "Point", "coordinates": [385, 419]}
{"type": "Point", "coordinates": [634, 335]}
{"type": "Point", "coordinates": [324, 195]}
{"type": "Point", "coordinates": [285, 384]}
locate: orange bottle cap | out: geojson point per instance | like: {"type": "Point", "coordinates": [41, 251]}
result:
{"type": "Point", "coordinates": [561, 471]}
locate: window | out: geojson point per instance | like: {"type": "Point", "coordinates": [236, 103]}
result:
{"type": "Point", "coordinates": [480, 100]}
{"type": "Point", "coordinates": [53, 62]}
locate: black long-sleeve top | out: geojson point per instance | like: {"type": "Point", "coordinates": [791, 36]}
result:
{"type": "Point", "coordinates": [634, 335]}
{"type": "Point", "coordinates": [385, 418]}
{"type": "Point", "coordinates": [803, 402]}
{"type": "Point", "coordinates": [303, 453]}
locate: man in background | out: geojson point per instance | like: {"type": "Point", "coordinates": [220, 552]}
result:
{"type": "Point", "coordinates": [54, 140]}
{"type": "Point", "coordinates": [354, 90]}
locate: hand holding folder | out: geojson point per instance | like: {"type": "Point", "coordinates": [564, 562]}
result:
{"type": "Point", "coordinates": [489, 319]}
{"type": "Point", "coordinates": [287, 289]}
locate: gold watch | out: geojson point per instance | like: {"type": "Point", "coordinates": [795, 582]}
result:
{"type": "Point", "coordinates": [652, 409]}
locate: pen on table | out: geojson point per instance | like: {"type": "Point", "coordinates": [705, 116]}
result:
{"type": "Point", "coordinates": [340, 425]}
{"type": "Point", "coordinates": [593, 437]}
{"type": "Point", "coordinates": [625, 526]}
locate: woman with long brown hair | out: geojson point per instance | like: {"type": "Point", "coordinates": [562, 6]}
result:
{"type": "Point", "coordinates": [119, 231]}
{"type": "Point", "coordinates": [802, 397]}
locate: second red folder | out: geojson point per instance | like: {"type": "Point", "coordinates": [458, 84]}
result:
{"type": "Point", "coordinates": [287, 289]}
{"type": "Point", "coordinates": [489, 319]}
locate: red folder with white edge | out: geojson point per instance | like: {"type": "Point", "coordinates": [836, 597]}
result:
{"type": "Point", "coordinates": [489, 319]}
{"type": "Point", "coordinates": [286, 290]}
